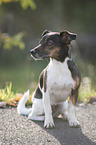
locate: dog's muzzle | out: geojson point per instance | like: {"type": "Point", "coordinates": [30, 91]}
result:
{"type": "Point", "coordinates": [35, 54]}
{"type": "Point", "coordinates": [35, 51]}
{"type": "Point", "coordinates": [38, 54]}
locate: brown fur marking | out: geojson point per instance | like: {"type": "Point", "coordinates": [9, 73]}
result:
{"type": "Point", "coordinates": [74, 96]}
{"type": "Point", "coordinates": [45, 80]}
{"type": "Point", "coordinates": [77, 80]}
{"type": "Point", "coordinates": [54, 53]}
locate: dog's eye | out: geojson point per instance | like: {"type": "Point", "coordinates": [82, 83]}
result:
{"type": "Point", "coordinates": [49, 43]}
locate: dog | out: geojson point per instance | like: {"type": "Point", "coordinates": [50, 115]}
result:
{"type": "Point", "coordinates": [58, 81]}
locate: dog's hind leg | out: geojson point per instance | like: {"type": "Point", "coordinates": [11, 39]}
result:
{"type": "Point", "coordinates": [63, 109]}
{"type": "Point", "coordinates": [37, 110]}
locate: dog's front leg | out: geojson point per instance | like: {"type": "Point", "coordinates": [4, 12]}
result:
{"type": "Point", "coordinates": [49, 123]}
{"type": "Point", "coordinates": [73, 122]}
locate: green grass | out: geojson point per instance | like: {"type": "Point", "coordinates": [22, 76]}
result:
{"type": "Point", "coordinates": [23, 77]}
{"type": "Point", "coordinates": [7, 95]}
{"type": "Point", "coordinates": [11, 98]}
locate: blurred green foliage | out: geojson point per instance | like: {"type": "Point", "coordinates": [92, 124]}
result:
{"type": "Point", "coordinates": [8, 42]}
{"type": "Point", "coordinates": [28, 3]}
{"type": "Point", "coordinates": [24, 3]}
{"type": "Point", "coordinates": [86, 91]}
{"type": "Point", "coordinates": [7, 94]}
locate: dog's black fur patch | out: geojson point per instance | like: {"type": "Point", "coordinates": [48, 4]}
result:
{"type": "Point", "coordinates": [74, 71]}
{"type": "Point", "coordinates": [38, 94]}
{"type": "Point", "coordinates": [41, 80]}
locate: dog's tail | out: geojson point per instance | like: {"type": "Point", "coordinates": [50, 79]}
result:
{"type": "Point", "coordinates": [21, 109]}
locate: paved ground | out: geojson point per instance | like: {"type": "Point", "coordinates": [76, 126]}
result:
{"type": "Point", "coordinates": [18, 130]}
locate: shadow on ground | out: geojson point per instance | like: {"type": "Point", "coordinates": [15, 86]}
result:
{"type": "Point", "coordinates": [67, 135]}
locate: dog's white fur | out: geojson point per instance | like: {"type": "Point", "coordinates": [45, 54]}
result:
{"type": "Point", "coordinates": [59, 87]}
{"type": "Point", "coordinates": [21, 105]}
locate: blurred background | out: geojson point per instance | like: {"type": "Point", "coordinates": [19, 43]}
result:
{"type": "Point", "coordinates": [21, 24]}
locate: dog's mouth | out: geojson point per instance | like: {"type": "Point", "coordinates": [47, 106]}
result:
{"type": "Point", "coordinates": [37, 56]}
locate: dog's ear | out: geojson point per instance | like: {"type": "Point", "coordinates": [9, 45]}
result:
{"type": "Point", "coordinates": [67, 37]}
{"type": "Point", "coordinates": [45, 32]}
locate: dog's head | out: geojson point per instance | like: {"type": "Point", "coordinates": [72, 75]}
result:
{"type": "Point", "coordinates": [53, 45]}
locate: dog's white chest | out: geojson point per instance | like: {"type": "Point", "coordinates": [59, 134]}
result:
{"type": "Point", "coordinates": [60, 82]}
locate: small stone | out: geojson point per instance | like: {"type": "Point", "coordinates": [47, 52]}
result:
{"type": "Point", "coordinates": [2, 104]}
{"type": "Point", "coordinates": [94, 103]}
{"type": "Point", "coordinates": [80, 104]}
{"type": "Point", "coordinates": [92, 99]}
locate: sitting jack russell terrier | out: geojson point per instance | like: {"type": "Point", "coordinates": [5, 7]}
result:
{"type": "Point", "coordinates": [58, 81]}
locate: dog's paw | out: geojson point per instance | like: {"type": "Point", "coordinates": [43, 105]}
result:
{"type": "Point", "coordinates": [49, 124]}
{"type": "Point", "coordinates": [74, 123]}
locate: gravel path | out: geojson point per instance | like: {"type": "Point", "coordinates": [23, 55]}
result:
{"type": "Point", "coordinates": [18, 130]}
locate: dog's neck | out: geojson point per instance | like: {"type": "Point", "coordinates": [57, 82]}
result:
{"type": "Point", "coordinates": [59, 66]}
{"type": "Point", "coordinates": [64, 54]}
{"type": "Point", "coordinates": [69, 52]}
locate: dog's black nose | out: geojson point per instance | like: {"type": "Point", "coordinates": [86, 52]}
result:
{"type": "Point", "coordinates": [73, 37]}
